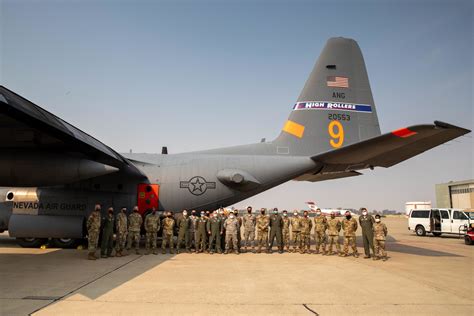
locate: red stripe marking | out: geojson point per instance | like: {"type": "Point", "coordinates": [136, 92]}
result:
{"type": "Point", "coordinates": [404, 132]}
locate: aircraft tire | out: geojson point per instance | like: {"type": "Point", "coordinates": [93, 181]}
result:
{"type": "Point", "coordinates": [31, 242]}
{"type": "Point", "coordinates": [64, 242]}
{"type": "Point", "coordinates": [420, 230]}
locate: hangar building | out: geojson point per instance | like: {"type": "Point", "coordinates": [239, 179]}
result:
{"type": "Point", "coordinates": [459, 194]}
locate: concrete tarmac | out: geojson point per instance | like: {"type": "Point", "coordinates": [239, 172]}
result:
{"type": "Point", "coordinates": [423, 276]}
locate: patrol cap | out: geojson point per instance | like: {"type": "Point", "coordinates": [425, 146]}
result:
{"type": "Point", "coordinates": [377, 216]}
{"type": "Point", "coordinates": [236, 211]}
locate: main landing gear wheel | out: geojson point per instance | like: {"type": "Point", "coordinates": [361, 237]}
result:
{"type": "Point", "coordinates": [64, 242]}
{"type": "Point", "coordinates": [31, 242]}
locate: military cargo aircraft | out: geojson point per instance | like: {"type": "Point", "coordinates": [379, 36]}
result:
{"type": "Point", "coordinates": [53, 173]}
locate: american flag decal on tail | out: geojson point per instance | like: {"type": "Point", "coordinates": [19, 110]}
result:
{"type": "Point", "coordinates": [337, 82]}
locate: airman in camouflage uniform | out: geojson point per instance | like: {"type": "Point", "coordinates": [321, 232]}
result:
{"type": "Point", "coordinates": [349, 225]}
{"type": "Point", "coordinates": [121, 226]}
{"type": "Point", "coordinates": [231, 226]}
{"type": "Point", "coordinates": [152, 226]}
{"type": "Point", "coordinates": [192, 230]}
{"type": "Point", "coordinates": [320, 226]}
{"type": "Point", "coordinates": [380, 233]}
{"type": "Point", "coordinates": [249, 222]}
{"type": "Point", "coordinates": [135, 222]}
{"type": "Point", "coordinates": [305, 224]}
{"type": "Point", "coordinates": [183, 224]}
{"type": "Point", "coordinates": [263, 221]}
{"type": "Point", "coordinates": [239, 233]}
{"type": "Point", "coordinates": [295, 230]}
{"type": "Point", "coordinates": [276, 227]}
{"type": "Point", "coordinates": [214, 229]}
{"type": "Point", "coordinates": [334, 227]}
{"type": "Point", "coordinates": [93, 230]}
{"type": "Point", "coordinates": [108, 223]}
{"type": "Point", "coordinates": [286, 231]}
{"type": "Point", "coordinates": [168, 229]}
{"type": "Point", "coordinates": [201, 240]}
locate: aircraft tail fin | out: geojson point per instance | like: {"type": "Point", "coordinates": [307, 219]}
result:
{"type": "Point", "coordinates": [335, 107]}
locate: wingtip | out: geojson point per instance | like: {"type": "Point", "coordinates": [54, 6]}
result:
{"type": "Point", "coordinates": [441, 124]}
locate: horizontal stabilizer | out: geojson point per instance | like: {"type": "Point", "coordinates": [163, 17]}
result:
{"type": "Point", "coordinates": [389, 149]}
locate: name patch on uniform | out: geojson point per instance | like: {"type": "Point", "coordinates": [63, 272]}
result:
{"type": "Point", "coordinates": [325, 105]}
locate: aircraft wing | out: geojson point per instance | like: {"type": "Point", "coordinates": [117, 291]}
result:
{"type": "Point", "coordinates": [27, 130]}
{"type": "Point", "coordinates": [388, 149]}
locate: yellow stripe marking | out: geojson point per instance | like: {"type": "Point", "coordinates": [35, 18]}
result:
{"type": "Point", "coordinates": [294, 128]}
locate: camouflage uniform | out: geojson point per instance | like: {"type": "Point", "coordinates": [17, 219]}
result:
{"type": "Point", "coordinates": [134, 225]}
{"type": "Point", "coordinates": [249, 221]}
{"type": "Point", "coordinates": [350, 226]}
{"type": "Point", "coordinates": [380, 232]}
{"type": "Point", "coordinates": [334, 226]}
{"type": "Point", "coordinates": [366, 223]}
{"type": "Point", "coordinates": [201, 240]}
{"type": "Point", "coordinates": [168, 228]}
{"type": "Point", "coordinates": [286, 233]}
{"type": "Point", "coordinates": [121, 226]}
{"type": "Point", "coordinates": [320, 226]}
{"type": "Point", "coordinates": [152, 226]}
{"type": "Point", "coordinates": [93, 230]}
{"type": "Point", "coordinates": [295, 232]}
{"type": "Point", "coordinates": [305, 224]}
{"type": "Point", "coordinates": [192, 232]}
{"type": "Point", "coordinates": [262, 231]}
{"type": "Point", "coordinates": [107, 245]}
{"type": "Point", "coordinates": [239, 233]}
{"type": "Point", "coordinates": [231, 226]}
{"type": "Point", "coordinates": [183, 223]}
{"type": "Point", "coordinates": [214, 228]}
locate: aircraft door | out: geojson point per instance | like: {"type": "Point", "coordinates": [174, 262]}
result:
{"type": "Point", "coordinates": [148, 196]}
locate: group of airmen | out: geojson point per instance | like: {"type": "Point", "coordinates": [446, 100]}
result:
{"type": "Point", "coordinates": [221, 232]}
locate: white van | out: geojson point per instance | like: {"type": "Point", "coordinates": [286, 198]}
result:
{"type": "Point", "coordinates": [439, 221]}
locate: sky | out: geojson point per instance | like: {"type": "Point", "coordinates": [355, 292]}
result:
{"type": "Point", "coordinates": [195, 75]}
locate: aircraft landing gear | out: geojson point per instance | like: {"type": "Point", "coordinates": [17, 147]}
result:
{"type": "Point", "coordinates": [31, 242]}
{"type": "Point", "coordinates": [64, 242]}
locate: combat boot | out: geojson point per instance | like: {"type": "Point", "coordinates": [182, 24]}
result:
{"type": "Point", "coordinates": [384, 258]}
{"type": "Point", "coordinates": [111, 255]}
{"type": "Point", "coordinates": [163, 251]}
{"type": "Point", "coordinates": [237, 252]}
{"type": "Point", "coordinates": [374, 258]}
{"type": "Point", "coordinates": [342, 255]}
{"type": "Point", "coordinates": [178, 251]}
{"type": "Point", "coordinates": [124, 253]}
{"type": "Point", "coordinates": [118, 253]}
{"type": "Point", "coordinates": [155, 252]}
{"type": "Point", "coordinates": [147, 252]}
{"type": "Point", "coordinates": [356, 255]}
{"type": "Point", "coordinates": [137, 252]}
{"type": "Point", "coordinates": [171, 251]}
{"type": "Point", "coordinates": [226, 251]}
{"type": "Point", "coordinates": [103, 256]}
{"type": "Point", "coordinates": [91, 256]}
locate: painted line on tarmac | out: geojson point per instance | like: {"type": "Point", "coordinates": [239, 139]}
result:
{"type": "Point", "coordinates": [86, 284]}
{"type": "Point", "coordinates": [310, 310]}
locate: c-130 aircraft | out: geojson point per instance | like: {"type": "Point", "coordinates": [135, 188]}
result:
{"type": "Point", "coordinates": [54, 174]}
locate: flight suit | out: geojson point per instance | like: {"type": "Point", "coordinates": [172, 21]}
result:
{"type": "Point", "coordinates": [295, 232]}
{"type": "Point", "coordinates": [366, 223]}
{"type": "Point", "coordinates": [121, 226]}
{"type": "Point", "coordinates": [286, 233]}
{"type": "Point", "coordinates": [231, 226]}
{"type": "Point", "coordinates": [249, 222]}
{"type": "Point", "coordinates": [152, 226]}
{"type": "Point", "coordinates": [276, 226]}
{"type": "Point", "coordinates": [192, 232]}
{"type": "Point", "coordinates": [305, 224]}
{"type": "Point", "coordinates": [183, 223]}
{"type": "Point", "coordinates": [167, 238]}
{"type": "Point", "coordinates": [262, 231]}
{"type": "Point", "coordinates": [93, 230]}
{"type": "Point", "coordinates": [320, 226]}
{"type": "Point", "coordinates": [350, 226]}
{"type": "Point", "coordinates": [214, 228]}
{"type": "Point", "coordinates": [334, 227]}
{"type": "Point", "coordinates": [380, 233]}
{"type": "Point", "coordinates": [239, 233]}
{"type": "Point", "coordinates": [108, 223]}
{"type": "Point", "coordinates": [201, 240]}
{"type": "Point", "coordinates": [135, 222]}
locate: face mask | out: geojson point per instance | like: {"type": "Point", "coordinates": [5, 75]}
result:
{"type": "Point", "coordinates": [193, 214]}
{"type": "Point", "coordinates": [215, 215]}
{"type": "Point", "coordinates": [184, 213]}
{"type": "Point", "coordinates": [377, 220]}
{"type": "Point", "coordinates": [231, 216]}
{"type": "Point", "coordinates": [262, 212]}
{"type": "Point", "coordinates": [348, 216]}
{"type": "Point", "coordinates": [249, 211]}
{"type": "Point", "coordinates": [275, 213]}
{"type": "Point", "coordinates": [364, 213]}
{"type": "Point", "coordinates": [305, 215]}
{"type": "Point", "coordinates": [318, 214]}
{"type": "Point", "coordinates": [284, 214]}
{"type": "Point", "coordinates": [333, 216]}
{"type": "Point", "coordinates": [296, 214]}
